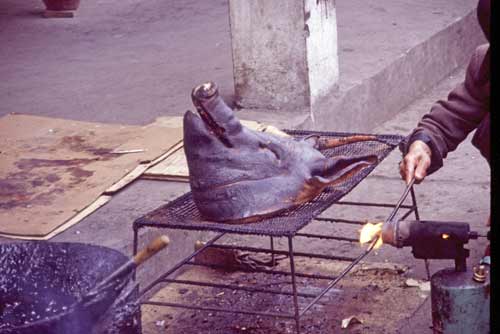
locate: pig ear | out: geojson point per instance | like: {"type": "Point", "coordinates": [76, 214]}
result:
{"type": "Point", "coordinates": [342, 169]}
{"type": "Point", "coordinates": [313, 187]}
{"type": "Point", "coordinates": [318, 182]}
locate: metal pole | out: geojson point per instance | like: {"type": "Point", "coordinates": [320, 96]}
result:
{"type": "Point", "coordinates": [414, 203]}
{"type": "Point", "coordinates": [266, 271]}
{"type": "Point", "coordinates": [235, 287]}
{"type": "Point", "coordinates": [381, 205]}
{"type": "Point", "coordinates": [283, 252]}
{"type": "Point", "coordinates": [417, 217]}
{"type": "Point", "coordinates": [136, 232]}
{"type": "Point", "coordinates": [338, 278]}
{"type": "Point", "coordinates": [408, 188]}
{"type": "Point", "coordinates": [136, 241]}
{"type": "Point", "coordinates": [214, 309]}
{"type": "Point", "coordinates": [273, 258]}
{"type": "Point", "coordinates": [180, 264]}
{"type": "Point", "coordinates": [294, 285]}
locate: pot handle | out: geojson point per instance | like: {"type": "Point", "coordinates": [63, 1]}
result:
{"type": "Point", "coordinates": [154, 247]}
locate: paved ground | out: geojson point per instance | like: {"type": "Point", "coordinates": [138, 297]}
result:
{"type": "Point", "coordinates": [130, 62]}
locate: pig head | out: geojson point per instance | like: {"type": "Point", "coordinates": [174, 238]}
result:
{"type": "Point", "coordinates": [238, 175]}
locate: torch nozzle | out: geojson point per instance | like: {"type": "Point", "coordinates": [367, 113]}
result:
{"type": "Point", "coordinates": [473, 235]}
{"type": "Point", "coordinates": [476, 235]}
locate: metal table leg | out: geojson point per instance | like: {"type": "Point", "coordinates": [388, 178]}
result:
{"type": "Point", "coordinates": [294, 285]}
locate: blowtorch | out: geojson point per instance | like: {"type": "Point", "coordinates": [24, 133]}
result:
{"type": "Point", "coordinates": [431, 239]}
{"type": "Point", "coordinates": [460, 302]}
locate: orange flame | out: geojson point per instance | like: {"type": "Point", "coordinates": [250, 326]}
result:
{"type": "Point", "coordinates": [445, 236]}
{"type": "Point", "coordinates": [369, 232]}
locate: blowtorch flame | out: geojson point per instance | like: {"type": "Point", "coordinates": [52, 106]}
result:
{"type": "Point", "coordinates": [371, 232]}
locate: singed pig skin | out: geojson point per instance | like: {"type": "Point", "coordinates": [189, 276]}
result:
{"type": "Point", "coordinates": [240, 175]}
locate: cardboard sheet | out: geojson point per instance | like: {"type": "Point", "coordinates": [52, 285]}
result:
{"type": "Point", "coordinates": [51, 170]}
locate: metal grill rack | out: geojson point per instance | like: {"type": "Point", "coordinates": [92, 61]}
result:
{"type": "Point", "coordinates": [182, 214]}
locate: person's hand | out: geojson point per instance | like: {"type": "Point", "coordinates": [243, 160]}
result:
{"type": "Point", "coordinates": [416, 162]}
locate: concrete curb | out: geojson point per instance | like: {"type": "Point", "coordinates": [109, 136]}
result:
{"type": "Point", "coordinates": [377, 99]}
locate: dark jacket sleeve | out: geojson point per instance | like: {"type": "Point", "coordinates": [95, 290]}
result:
{"type": "Point", "coordinates": [450, 121]}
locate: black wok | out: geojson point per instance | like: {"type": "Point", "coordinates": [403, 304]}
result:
{"type": "Point", "coordinates": [45, 288]}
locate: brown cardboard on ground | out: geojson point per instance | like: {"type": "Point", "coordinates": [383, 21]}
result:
{"type": "Point", "coordinates": [52, 169]}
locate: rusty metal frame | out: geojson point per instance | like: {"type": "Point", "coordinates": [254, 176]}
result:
{"type": "Point", "coordinates": [296, 313]}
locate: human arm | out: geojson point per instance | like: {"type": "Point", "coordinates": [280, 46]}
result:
{"type": "Point", "coordinates": [449, 121]}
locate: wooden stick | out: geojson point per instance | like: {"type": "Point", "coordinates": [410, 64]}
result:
{"type": "Point", "coordinates": [154, 247]}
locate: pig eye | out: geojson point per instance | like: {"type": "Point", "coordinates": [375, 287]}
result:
{"type": "Point", "coordinates": [268, 147]}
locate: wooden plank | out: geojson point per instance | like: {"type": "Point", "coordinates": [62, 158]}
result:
{"type": "Point", "coordinates": [139, 170]}
{"type": "Point", "coordinates": [172, 150]}
{"type": "Point", "coordinates": [174, 165]}
{"type": "Point", "coordinates": [160, 177]}
{"type": "Point", "coordinates": [127, 179]}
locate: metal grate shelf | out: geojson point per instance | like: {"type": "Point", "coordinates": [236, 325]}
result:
{"type": "Point", "coordinates": [182, 214]}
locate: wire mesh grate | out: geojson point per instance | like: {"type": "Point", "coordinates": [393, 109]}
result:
{"type": "Point", "coordinates": [182, 212]}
